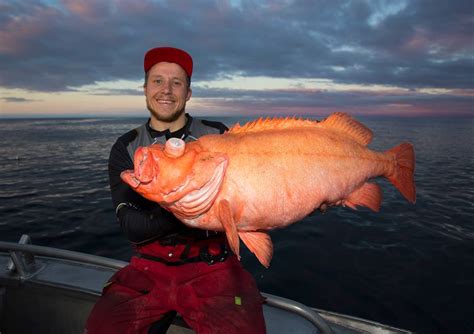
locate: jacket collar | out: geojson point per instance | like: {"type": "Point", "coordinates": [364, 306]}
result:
{"type": "Point", "coordinates": [181, 133]}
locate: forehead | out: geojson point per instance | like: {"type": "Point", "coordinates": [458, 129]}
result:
{"type": "Point", "coordinates": [167, 69]}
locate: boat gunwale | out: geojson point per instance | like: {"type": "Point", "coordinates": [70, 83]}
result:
{"type": "Point", "coordinates": [318, 318]}
{"type": "Point", "coordinates": [82, 258]}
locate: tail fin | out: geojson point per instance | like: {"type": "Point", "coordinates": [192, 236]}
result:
{"type": "Point", "coordinates": [403, 175]}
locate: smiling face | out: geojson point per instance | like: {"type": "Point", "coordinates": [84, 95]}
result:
{"type": "Point", "coordinates": [166, 93]}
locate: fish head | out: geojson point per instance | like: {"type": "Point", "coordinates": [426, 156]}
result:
{"type": "Point", "coordinates": [180, 177]}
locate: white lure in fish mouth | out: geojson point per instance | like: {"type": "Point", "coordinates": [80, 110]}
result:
{"type": "Point", "coordinates": [174, 147]}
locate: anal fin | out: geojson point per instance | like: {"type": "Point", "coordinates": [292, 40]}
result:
{"type": "Point", "coordinates": [369, 195]}
{"type": "Point", "coordinates": [260, 244]}
{"type": "Point", "coordinates": [227, 220]}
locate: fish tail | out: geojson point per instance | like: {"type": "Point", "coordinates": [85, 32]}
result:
{"type": "Point", "coordinates": [402, 176]}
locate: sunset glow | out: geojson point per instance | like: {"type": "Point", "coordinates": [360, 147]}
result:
{"type": "Point", "coordinates": [284, 58]}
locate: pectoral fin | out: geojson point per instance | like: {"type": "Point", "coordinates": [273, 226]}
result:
{"type": "Point", "coordinates": [260, 244]}
{"type": "Point", "coordinates": [227, 220]}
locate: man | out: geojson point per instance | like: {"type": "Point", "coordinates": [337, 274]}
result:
{"type": "Point", "coordinates": [177, 268]}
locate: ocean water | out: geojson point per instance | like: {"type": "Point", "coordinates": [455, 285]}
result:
{"type": "Point", "coordinates": [410, 266]}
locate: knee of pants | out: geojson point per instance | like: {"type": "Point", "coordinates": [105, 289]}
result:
{"type": "Point", "coordinates": [120, 302]}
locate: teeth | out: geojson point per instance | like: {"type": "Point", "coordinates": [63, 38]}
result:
{"type": "Point", "coordinates": [136, 182]}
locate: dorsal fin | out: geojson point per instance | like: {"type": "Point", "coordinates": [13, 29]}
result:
{"type": "Point", "coordinates": [344, 123]}
{"type": "Point", "coordinates": [271, 124]}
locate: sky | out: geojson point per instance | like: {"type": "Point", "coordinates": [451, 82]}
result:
{"type": "Point", "coordinates": [306, 57]}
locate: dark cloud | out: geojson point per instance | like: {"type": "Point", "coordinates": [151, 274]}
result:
{"type": "Point", "coordinates": [119, 92]}
{"type": "Point", "coordinates": [112, 92]}
{"type": "Point", "coordinates": [335, 100]}
{"type": "Point", "coordinates": [12, 99]}
{"type": "Point", "coordinates": [407, 43]}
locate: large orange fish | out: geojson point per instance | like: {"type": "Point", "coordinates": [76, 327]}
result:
{"type": "Point", "coordinates": [268, 174]}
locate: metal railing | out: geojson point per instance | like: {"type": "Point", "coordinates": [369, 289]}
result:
{"type": "Point", "coordinates": [22, 261]}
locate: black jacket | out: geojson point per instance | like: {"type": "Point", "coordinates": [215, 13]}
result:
{"type": "Point", "coordinates": [140, 219]}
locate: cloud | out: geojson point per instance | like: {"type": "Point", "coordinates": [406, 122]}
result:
{"type": "Point", "coordinates": [309, 99]}
{"type": "Point", "coordinates": [56, 46]}
{"type": "Point", "coordinates": [11, 99]}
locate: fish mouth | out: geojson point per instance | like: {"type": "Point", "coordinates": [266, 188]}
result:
{"type": "Point", "coordinates": [144, 167]}
{"type": "Point", "coordinates": [200, 200]}
{"type": "Point", "coordinates": [128, 176]}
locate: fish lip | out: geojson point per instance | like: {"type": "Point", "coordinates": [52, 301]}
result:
{"type": "Point", "coordinates": [138, 182]}
{"type": "Point", "coordinates": [143, 172]}
{"type": "Point", "coordinates": [144, 182]}
{"type": "Point", "coordinates": [128, 176]}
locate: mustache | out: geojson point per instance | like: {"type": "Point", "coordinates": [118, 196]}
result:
{"type": "Point", "coordinates": [165, 96]}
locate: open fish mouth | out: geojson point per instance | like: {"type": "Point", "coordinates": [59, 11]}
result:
{"type": "Point", "coordinates": [200, 200]}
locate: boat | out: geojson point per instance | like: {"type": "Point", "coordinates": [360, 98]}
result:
{"type": "Point", "coordinates": [51, 290]}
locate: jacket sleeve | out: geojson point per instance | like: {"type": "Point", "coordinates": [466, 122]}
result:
{"type": "Point", "coordinates": [141, 220]}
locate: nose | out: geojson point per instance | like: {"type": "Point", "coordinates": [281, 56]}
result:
{"type": "Point", "coordinates": [167, 88]}
{"type": "Point", "coordinates": [144, 165]}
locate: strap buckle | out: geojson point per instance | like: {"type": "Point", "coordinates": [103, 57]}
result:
{"type": "Point", "coordinates": [209, 258]}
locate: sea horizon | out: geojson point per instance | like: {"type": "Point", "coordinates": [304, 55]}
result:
{"type": "Point", "coordinates": [146, 115]}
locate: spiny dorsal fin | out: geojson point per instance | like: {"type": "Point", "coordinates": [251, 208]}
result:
{"type": "Point", "coordinates": [272, 124]}
{"type": "Point", "coordinates": [346, 124]}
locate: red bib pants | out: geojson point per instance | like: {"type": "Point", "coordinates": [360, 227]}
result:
{"type": "Point", "coordinates": [212, 298]}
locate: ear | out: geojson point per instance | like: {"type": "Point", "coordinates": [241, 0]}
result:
{"type": "Point", "coordinates": [190, 92]}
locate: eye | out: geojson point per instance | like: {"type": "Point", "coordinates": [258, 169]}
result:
{"type": "Point", "coordinates": [177, 83]}
{"type": "Point", "coordinates": [158, 81]}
